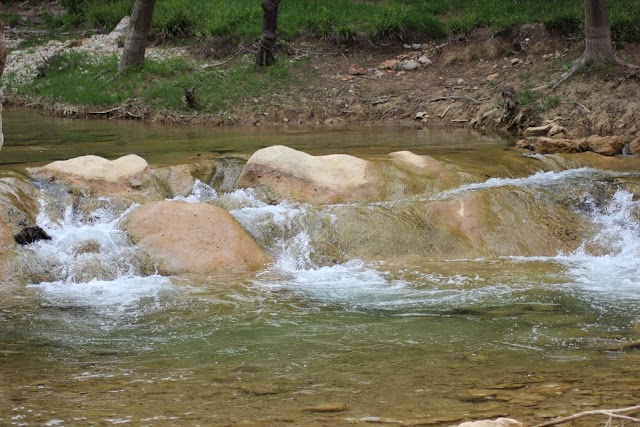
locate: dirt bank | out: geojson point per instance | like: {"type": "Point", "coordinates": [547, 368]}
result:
{"type": "Point", "coordinates": [449, 84]}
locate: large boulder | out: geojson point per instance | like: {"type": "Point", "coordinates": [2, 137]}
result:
{"type": "Point", "coordinates": [297, 176]}
{"type": "Point", "coordinates": [97, 176]}
{"type": "Point", "coordinates": [606, 145]}
{"type": "Point", "coordinates": [193, 238]}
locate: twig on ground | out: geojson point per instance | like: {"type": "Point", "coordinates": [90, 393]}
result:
{"type": "Point", "coordinates": [444, 113]}
{"type": "Point", "coordinates": [579, 104]}
{"type": "Point", "coordinates": [611, 413]}
{"type": "Point", "coordinates": [306, 52]}
{"type": "Point", "coordinates": [466, 98]}
{"type": "Point", "coordinates": [217, 64]}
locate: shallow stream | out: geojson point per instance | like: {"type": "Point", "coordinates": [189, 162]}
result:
{"type": "Point", "coordinates": [425, 342]}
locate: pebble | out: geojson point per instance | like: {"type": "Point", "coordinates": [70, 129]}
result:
{"type": "Point", "coordinates": [328, 408]}
{"type": "Point", "coordinates": [492, 77]}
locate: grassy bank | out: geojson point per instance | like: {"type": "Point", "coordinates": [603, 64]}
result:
{"type": "Point", "coordinates": [78, 79]}
{"type": "Point", "coordinates": [346, 20]}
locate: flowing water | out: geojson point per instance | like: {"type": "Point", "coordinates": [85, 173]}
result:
{"type": "Point", "coordinates": [429, 341]}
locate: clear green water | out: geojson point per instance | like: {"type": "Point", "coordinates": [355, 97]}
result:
{"type": "Point", "coordinates": [425, 343]}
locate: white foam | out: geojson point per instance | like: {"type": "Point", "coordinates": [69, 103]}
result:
{"type": "Point", "coordinates": [615, 267]}
{"type": "Point", "coordinates": [126, 295]}
{"type": "Point", "coordinates": [538, 179]}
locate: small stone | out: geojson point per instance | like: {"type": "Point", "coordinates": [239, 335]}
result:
{"type": "Point", "coordinates": [421, 115]}
{"type": "Point", "coordinates": [410, 65]}
{"type": "Point", "coordinates": [356, 70]}
{"type": "Point", "coordinates": [406, 46]}
{"type": "Point", "coordinates": [493, 77]}
{"type": "Point", "coordinates": [416, 46]}
{"type": "Point", "coordinates": [389, 64]}
{"type": "Point", "coordinates": [460, 81]}
{"type": "Point", "coordinates": [328, 408]}
{"type": "Point", "coordinates": [424, 60]}
{"type": "Point", "coordinates": [515, 61]}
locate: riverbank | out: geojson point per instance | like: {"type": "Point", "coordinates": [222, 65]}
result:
{"type": "Point", "coordinates": [456, 83]}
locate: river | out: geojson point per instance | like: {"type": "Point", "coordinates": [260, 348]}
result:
{"type": "Point", "coordinates": [427, 342]}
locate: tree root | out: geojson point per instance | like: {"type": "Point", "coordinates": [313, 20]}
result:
{"type": "Point", "coordinates": [577, 64]}
{"type": "Point", "coordinates": [611, 413]}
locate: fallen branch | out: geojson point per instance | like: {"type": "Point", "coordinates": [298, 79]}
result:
{"type": "Point", "coordinates": [466, 98]}
{"type": "Point", "coordinates": [611, 413]}
{"type": "Point", "coordinates": [105, 112]}
{"type": "Point", "coordinates": [444, 113]}
{"type": "Point", "coordinates": [217, 64]}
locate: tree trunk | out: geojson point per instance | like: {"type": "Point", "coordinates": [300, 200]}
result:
{"type": "Point", "coordinates": [597, 31]}
{"type": "Point", "coordinates": [266, 55]}
{"type": "Point", "coordinates": [3, 61]}
{"type": "Point", "coordinates": [136, 41]}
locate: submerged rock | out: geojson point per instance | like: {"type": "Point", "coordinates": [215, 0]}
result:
{"type": "Point", "coordinates": [193, 238]}
{"type": "Point", "coordinates": [30, 235]}
{"type": "Point", "coordinates": [297, 176]}
{"type": "Point", "coordinates": [421, 165]}
{"type": "Point", "coordinates": [128, 175]}
{"type": "Point", "coordinates": [179, 179]}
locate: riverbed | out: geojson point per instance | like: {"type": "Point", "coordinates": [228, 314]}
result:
{"type": "Point", "coordinates": [427, 342]}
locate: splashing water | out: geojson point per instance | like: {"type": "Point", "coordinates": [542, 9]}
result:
{"type": "Point", "coordinates": [92, 264]}
{"type": "Point", "coordinates": [539, 179]}
{"type": "Point", "coordinates": [610, 261]}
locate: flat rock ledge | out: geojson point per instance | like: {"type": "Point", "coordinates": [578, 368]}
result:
{"type": "Point", "coordinates": [603, 145]}
{"type": "Point", "coordinates": [193, 238]}
{"type": "Point", "coordinates": [297, 176]}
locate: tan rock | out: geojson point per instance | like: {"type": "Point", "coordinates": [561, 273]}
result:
{"type": "Point", "coordinates": [389, 64]}
{"type": "Point", "coordinates": [356, 70]}
{"type": "Point", "coordinates": [6, 236]}
{"type": "Point", "coordinates": [557, 131]}
{"type": "Point", "coordinates": [634, 147]}
{"type": "Point", "coordinates": [500, 422]}
{"type": "Point", "coordinates": [538, 131]}
{"type": "Point", "coordinates": [294, 175]}
{"type": "Point", "coordinates": [18, 203]}
{"type": "Point", "coordinates": [179, 179]}
{"type": "Point", "coordinates": [550, 145]}
{"type": "Point", "coordinates": [493, 77]}
{"type": "Point", "coordinates": [193, 238]}
{"type": "Point", "coordinates": [422, 165]}
{"type": "Point", "coordinates": [100, 176]}
{"type": "Point", "coordinates": [606, 145]}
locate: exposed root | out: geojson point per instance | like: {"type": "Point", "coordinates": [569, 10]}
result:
{"type": "Point", "coordinates": [577, 64]}
{"type": "Point", "coordinates": [611, 413]}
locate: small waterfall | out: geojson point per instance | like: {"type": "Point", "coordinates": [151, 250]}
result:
{"type": "Point", "coordinates": [610, 261]}
{"type": "Point", "coordinates": [90, 263]}
{"type": "Point", "coordinates": [539, 179]}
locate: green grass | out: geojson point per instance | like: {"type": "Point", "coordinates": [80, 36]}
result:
{"type": "Point", "coordinates": [78, 79]}
{"type": "Point", "coordinates": [347, 20]}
